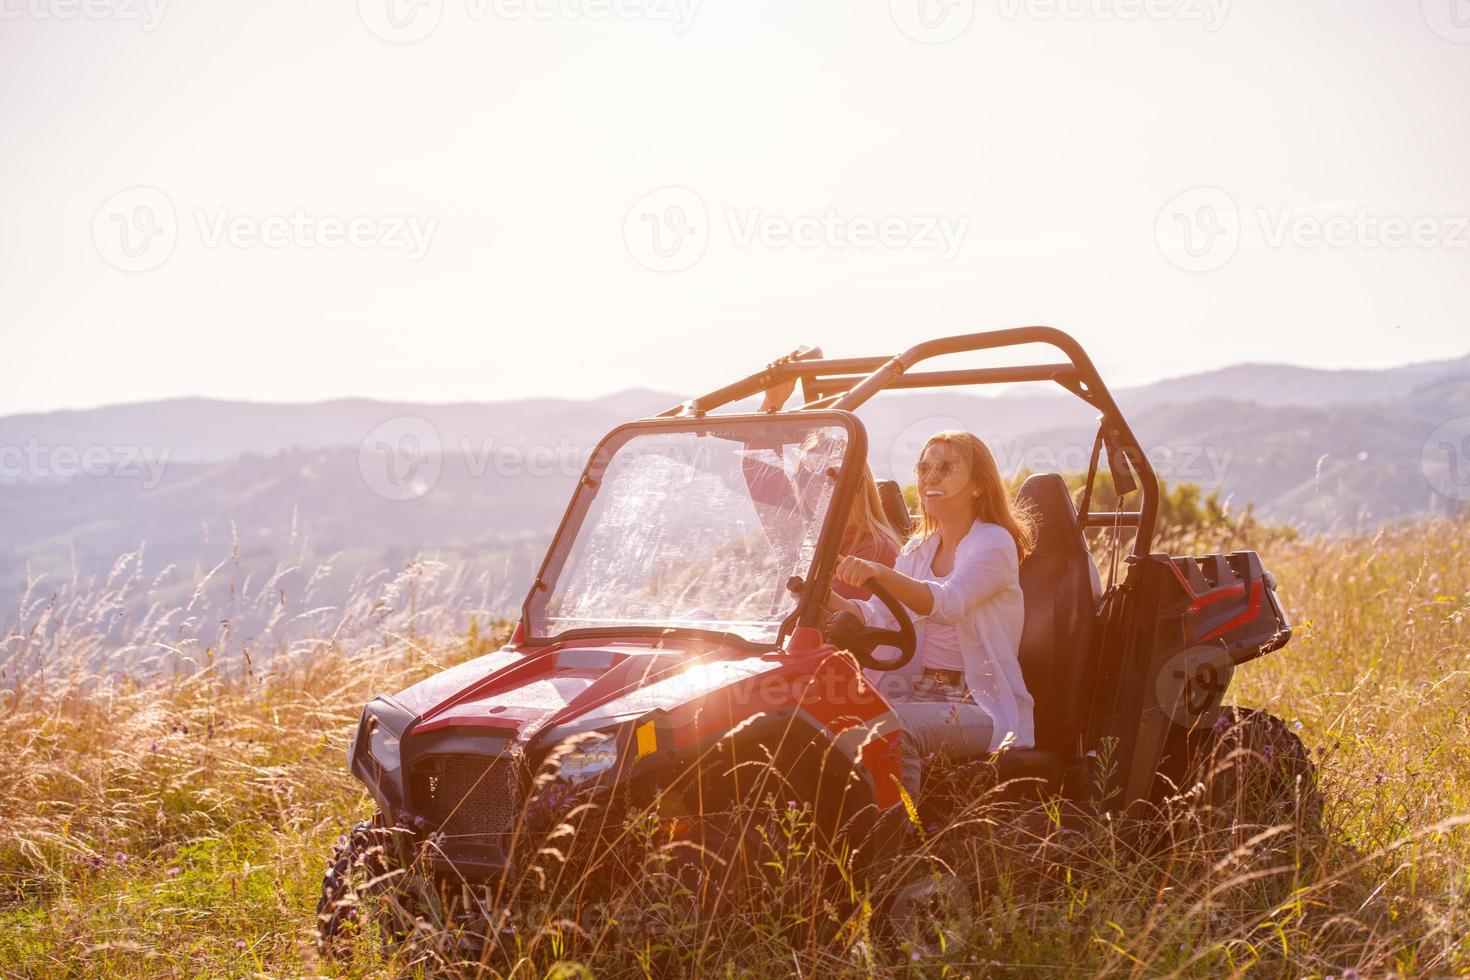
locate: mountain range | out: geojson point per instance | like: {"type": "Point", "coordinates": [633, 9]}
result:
{"type": "Point", "coordinates": [193, 480]}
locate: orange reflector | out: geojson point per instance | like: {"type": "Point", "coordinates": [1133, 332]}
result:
{"type": "Point", "coordinates": [646, 740]}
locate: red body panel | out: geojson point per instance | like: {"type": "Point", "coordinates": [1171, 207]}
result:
{"type": "Point", "coordinates": [703, 690]}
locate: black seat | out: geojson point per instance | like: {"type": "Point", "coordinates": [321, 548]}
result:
{"type": "Point", "coordinates": [894, 507]}
{"type": "Point", "coordinates": [1057, 580]}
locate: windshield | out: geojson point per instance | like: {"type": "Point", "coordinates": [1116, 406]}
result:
{"type": "Point", "coordinates": [700, 527]}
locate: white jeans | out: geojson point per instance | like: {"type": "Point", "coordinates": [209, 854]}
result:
{"type": "Point", "coordinates": [939, 717]}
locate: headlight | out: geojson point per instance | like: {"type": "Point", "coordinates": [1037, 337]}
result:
{"type": "Point", "coordinates": [383, 746]}
{"type": "Point", "coordinates": [383, 722]}
{"type": "Point", "coordinates": [589, 757]}
{"type": "Point", "coordinates": [376, 754]}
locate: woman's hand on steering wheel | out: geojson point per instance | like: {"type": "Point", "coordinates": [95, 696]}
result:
{"type": "Point", "coordinates": [857, 571]}
{"type": "Point", "coordinates": [848, 630]}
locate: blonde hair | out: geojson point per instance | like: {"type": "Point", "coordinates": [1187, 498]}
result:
{"type": "Point", "coordinates": [868, 515]}
{"type": "Point", "coordinates": [992, 503]}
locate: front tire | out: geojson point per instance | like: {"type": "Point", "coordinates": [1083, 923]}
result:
{"type": "Point", "coordinates": [361, 866]}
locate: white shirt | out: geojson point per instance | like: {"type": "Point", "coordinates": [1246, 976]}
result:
{"type": "Point", "coordinates": [941, 647]}
{"type": "Point", "coordinates": [939, 643]}
{"type": "Point", "coordinates": [981, 599]}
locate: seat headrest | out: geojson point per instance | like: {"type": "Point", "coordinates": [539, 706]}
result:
{"type": "Point", "coordinates": [1054, 517]}
{"type": "Point", "coordinates": [894, 507]}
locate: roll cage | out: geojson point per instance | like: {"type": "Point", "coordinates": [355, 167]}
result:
{"type": "Point", "coordinates": [836, 387]}
{"type": "Point", "coordinates": [845, 384]}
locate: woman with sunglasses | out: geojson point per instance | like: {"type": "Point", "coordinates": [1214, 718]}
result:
{"type": "Point", "coordinates": [959, 577]}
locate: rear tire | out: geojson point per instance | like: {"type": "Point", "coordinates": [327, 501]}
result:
{"type": "Point", "coordinates": [1255, 769]}
{"type": "Point", "coordinates": [1250, 789]}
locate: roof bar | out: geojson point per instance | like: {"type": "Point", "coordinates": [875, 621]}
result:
{"type": "Point", "coordinates": [826, 386]}
{"type": "Point", "coordinates": [1109, 518]}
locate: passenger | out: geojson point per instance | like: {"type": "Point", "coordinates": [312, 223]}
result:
{"type": "Point", "coordinates": [959, 577]}
{"type": "Point", "coordinates": [867, 534]}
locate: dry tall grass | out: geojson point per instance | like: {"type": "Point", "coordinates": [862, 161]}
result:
{"type": "Point", "coordinates": [171, 792]}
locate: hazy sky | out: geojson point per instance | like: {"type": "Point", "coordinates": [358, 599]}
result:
{"type": "Point", "coordinates": [329, 207]}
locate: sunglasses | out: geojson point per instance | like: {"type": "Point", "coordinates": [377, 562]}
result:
{"type": "Point", "coordinates": [941, 468]}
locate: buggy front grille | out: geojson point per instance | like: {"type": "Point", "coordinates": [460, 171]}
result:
{"type": "Point", "coordinates": [471, 796]}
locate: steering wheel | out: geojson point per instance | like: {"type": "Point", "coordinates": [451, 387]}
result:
{"type": "Point", "coordinates": [852, 634]}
